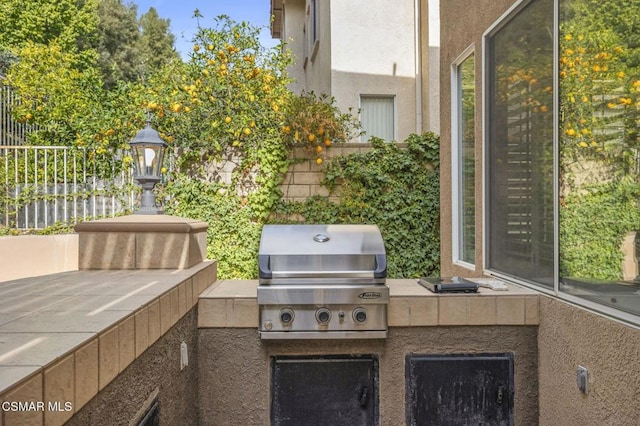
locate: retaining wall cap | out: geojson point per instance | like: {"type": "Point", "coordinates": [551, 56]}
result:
{"type": "Point", "coordinates": [143, 223]}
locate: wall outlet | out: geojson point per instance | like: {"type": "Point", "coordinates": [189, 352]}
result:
{"type": "Point", "coordinates": [583, 379]}
{"type": "Point", "coordinates": [184, 355]}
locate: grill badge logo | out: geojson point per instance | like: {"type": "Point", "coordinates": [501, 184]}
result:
{"type": "Point", "coordinates": [370, 295]}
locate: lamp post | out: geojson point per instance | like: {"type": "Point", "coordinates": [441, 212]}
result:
{"type": "Point", "coordinates": [147, 149]}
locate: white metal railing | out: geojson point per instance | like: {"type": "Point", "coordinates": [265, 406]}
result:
{"type": "Point", "coordinates": [12, 132]}
{"type": "Point", "coordinates": [43, 185]}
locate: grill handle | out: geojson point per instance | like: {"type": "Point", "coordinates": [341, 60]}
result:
{"type": "Point", "coordinates": [381, 266]}
{"type": "Point", "coordinates": [264, 271]}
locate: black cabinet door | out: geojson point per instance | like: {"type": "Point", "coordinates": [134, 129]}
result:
{"type": "Point", "coordinates": [324, 391]}
{"type": "Point", "coordinates": [452, 390]}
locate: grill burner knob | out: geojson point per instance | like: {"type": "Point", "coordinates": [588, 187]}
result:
{"type": "Point", "coordinates": [286, 315]}
{"type": "Point", "coordinates": [323, 315]}
{"type": "Point", "coordinates": [360, 315]}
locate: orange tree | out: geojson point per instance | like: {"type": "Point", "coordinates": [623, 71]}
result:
{"type": "Point", "coordinates": [222, 109]}
{"type": "Point", "coordinates": [599, 101]}
{"type": "Point", "coordinates": [600, 83]}
{"type": "Point", "coordinates": [226, 113]}
{"type": "Point", "coordinates": [314, 123]}
{"type": "Point", "coordinates": [64, 98]}
{"type": "Point", "coordinates": [228, 116]}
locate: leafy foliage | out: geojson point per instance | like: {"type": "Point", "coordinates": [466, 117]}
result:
{"type": "Point", "coordinates": [393, 187]}
{"type": "Point", "coordinates": [231, 124]}
{"type": "Point", "coordinates": [71, 24]}
{"type": "Point", "coordinates": [221, 112]}
{"type": "Point", "coordinates": [130, 48]}
{"type": "Point", "coordinates": [156, 41]}
{"type": "Point", "coordinates": [599, 82]}
{"type": "Point", "coordinates": [593, 224]}
{"type": "Point", "coordinates": [315, 123]}
{"type": "Point", "coordinates": [53, 92]}
{"type": "Point", "coordinates": [233, 235]}
{"type": "Point", "coordinates": [118, 41]}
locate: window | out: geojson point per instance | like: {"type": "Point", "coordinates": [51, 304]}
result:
{"type": "Point", "coordinates": [520, 167]}
{"type": "Point", "coordinates": [463, 159]}
{"type": "Point", "coordinates": [311, 30]}
{"type": "Point", "coordinates": [563, 184]}
{"type": "Point", "coordinates": [599, 149]}
{"type": "Point", "coordinates": [377, 115]}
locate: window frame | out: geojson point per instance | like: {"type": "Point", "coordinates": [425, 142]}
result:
{"type": "Point", "coordinates": [612, 313]}
{"type": "Point", "coordinates": [311, 30]}
{"type": "Point", "coordinates": [488, 115]}
{"type": "Point", "coordinates": [457, 192]}
{"type": "Point", "coordinates": [364, 137]}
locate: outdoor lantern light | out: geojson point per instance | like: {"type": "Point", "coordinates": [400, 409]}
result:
{"type": "Point", "coordinates": [147, 149]}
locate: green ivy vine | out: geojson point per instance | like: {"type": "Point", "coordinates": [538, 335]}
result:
{"type": "Point", "coordinates": [397, 188]}
{"type": "Point", "coordinates": [593, 224]}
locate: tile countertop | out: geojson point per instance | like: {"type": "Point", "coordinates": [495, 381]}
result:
{"type": "Point", "coordinates": [233, 304]}
{"type": "Point", "coordinates": [99, 321]}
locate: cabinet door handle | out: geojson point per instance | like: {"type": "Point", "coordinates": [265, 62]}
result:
{"type": "Point", "coordinates": [500, 396]}
{"type": "Point", "coordinates": [364, 396]}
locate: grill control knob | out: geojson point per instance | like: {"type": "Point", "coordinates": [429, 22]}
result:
{"type": "Point", "coordinates": [360, 315]}
{"type": "Point", "coordinates": [286, 315]}
{"type": "Point", "coordinates": [323, 315]}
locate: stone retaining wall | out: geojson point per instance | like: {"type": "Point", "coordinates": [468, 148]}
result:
{"type": "Point", "coordinates": [304, 178]}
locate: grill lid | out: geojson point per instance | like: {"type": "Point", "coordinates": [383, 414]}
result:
{"type": "Point", "coordinates": [321, 251]}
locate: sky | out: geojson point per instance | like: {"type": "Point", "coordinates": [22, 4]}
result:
{"type": "Point", "coordinates": [183, 25]}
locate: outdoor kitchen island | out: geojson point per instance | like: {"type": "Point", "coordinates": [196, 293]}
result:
{"type": "Point", "coordinates": [239, 371]}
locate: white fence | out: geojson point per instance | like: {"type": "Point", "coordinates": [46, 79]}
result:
{"type": "Point", "coordinates": [12, 132]}
{"type": "Point", "coordinates": [40, 186]}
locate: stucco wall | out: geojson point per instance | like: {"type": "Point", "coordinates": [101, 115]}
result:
{"type": "Point", "coordinates": [316, 73]}
{"type": "Point", "coordinates": [569, 336]}
{"type": "Point", "coordinates": [293, 24]}
{"type": "Point", "coordinates": [362, 49]}
{"type": "Point", "coordinates": [376, 54]}
{"type": "Point", "coordinates": [157, 370]}
{"type": "Point", "coordinates": [34, 255]}
{"type": "Point", "coordinates": [234, 375]}
{"type": "Point", "coordinates": [430, 65]}
{"type": "Point", "coordinates": [462, 24]}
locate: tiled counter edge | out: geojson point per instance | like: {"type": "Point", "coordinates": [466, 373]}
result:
{"type": "Point", "coordinates": [77, 375]}
{"type": "Point", "coordinates": [233, 304]}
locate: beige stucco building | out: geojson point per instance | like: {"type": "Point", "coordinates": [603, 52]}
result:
{"type": "Point", "coordinates": [377, 59]}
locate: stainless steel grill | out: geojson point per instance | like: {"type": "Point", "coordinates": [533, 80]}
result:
{"type": "Point", "coordinates": [322, 282]}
